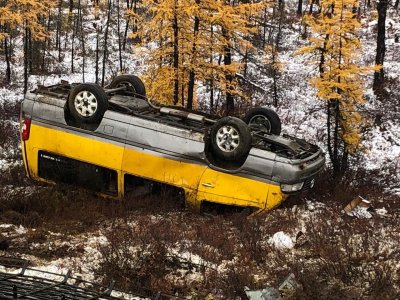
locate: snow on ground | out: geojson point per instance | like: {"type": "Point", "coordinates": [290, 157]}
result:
{"type": "Point", "coordinates": [297, 236]}
{"type": "Point", "coordinates": [82, 266]}
{"type": "Point", "coordinates": [302, 114]}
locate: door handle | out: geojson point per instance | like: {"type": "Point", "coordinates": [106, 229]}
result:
{"type": "Point", "coordinates": [206, 184]}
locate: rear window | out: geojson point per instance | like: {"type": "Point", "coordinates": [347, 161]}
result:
{"type": "Point", "coordinates": [74, 172]}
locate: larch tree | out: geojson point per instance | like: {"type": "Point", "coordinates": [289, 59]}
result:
{"type": "Point", "coordinates": [26, 17]}
{"type": "Point", "coordinates": [163, 27]}
{"type": "Point", "coordinates": [185, 38]}
{"type": "Point", "coordinates": [335, 47]}
{"type": "Point", "coordinates": [232, 23]}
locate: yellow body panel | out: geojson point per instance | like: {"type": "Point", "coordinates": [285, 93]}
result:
{"type": "Point", "coordinates": [218, 187]}
{"type": "Point", "coordinates": [198, 181]}
{"type": "Point", "coordinates": [97, 152]}
{"type": "Point", "coordinates": [242, 191]}
{"type": "Point", "coordinates": [158, 168]}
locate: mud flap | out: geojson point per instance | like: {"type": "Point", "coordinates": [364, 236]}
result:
{"type": "Point", "coordinates": [191, 202]}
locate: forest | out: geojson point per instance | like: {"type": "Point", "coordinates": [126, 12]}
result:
{"type": "Point", "coordinates": [329, 68]}
{"type": "Point", "coordinates": [209, 54]}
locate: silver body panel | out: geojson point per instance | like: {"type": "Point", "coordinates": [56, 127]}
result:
{"type": "Point", "coordinates": [172, 141]}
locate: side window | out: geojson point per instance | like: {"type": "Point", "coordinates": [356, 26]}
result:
{"type": "Point", "coordinates": [139, 187]}
{"type": "Point", "coordinates": [70, 171]}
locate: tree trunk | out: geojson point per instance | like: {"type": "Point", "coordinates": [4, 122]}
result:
{"type": "Point", "coordinates": [58, 32]}
{"type": "Point", "coordinates": [275, 50]}
{"type": "Point", "coordinates": [26, 37]}
{"type": "Point", "coordinates": [30, 52]}
{"type": "Point", "coordinates": [212, 78]}
{"type": "Point", "coordinates": [265, 19]}
{"type": "Point", "coordinates": [275, 86]}
{"type": "Point", "coordinates": [300, 7]}
{"type": "Point", "coordinates": [310, 11]}
{"type": "Point", "coordinates": [72, 46]}
{"type": "Point", "coordinates": [71, 5]}
{"type": "Point", "coordinates": [191, 73]}
{"type": "Point", "coordinates": [8, 65]}
{"type": "Point", "coordinates": [119, 36]}
{"type": "Point", "coordinates": [96, 72]}
{"type": "Point", "coordinates": [396, 5]}
{"type": "Point", "coordinates": [380, 46]}
{"type": "Point", "coordinates": [82, 42]}
{"type": "Point", "coordinates": [333, 117]}
{"type": "Point", "coordinates": [46, 44]}
{"type": "Point", "coordinates": [126, 27]}
{"type": "Point", "coordinates": [230, 104]}
{"type": "Point", "coordinates": [183, 94]}
{"type": "Point", "coordinates": [245, 62]}
{"type": "Point", "coordinates": [105, 51]}
{"type": "Point", "coordinates": [176, 56]}
{"type": "Point", "coordinates": [134, 27]}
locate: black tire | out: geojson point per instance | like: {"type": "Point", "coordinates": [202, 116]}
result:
{"type": "Point", "coordinates": [225, 134]}
{"type": "Point", "coordinates": [264, 119]}
{"type": "Point", "coordinates": [87, 103]}
{"type": "Point", "coordinates": [134, 84]}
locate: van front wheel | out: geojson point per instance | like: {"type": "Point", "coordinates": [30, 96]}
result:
{"type": "Point", "coordinates": [87, 103]}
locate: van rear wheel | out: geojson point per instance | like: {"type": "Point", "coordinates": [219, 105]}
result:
{"type": "Point", "coordinates": [87, 103]}
{"type": "Point", "coordinates": [132, 83]}
{"type": "Point", "coordinates": [263, 119]}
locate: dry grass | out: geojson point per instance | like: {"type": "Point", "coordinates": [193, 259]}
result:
{"type": "Point", "coordinates": [150, 239]}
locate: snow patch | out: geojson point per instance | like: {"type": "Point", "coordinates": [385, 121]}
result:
{"type": "Point", "coordinates": [360, 212]}
{"type": "Point", "coordinates": [281, 241]}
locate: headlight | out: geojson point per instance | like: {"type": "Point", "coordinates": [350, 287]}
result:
{"type": "Point", "coordinates": [290, 188]}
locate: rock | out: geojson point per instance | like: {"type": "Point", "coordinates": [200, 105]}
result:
{"type": "Point", "coordinates": [269, 293]}
{"type": "Point", "coordinates": [290, 284]}
{"type": "Point", "coordinates": [282, 241]}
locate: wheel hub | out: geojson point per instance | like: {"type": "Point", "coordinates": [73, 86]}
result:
{"type": "Point", "coordinates": [260, 122]}
{"type": "Point", "coordinates": [85, 103]}
{"type": "Point", "coordinates": [227, 138]}
{"type": "Point", "coordinates": [128, 85]}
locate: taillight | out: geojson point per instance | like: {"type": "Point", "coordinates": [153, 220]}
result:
{"type": "Point", "coordinates": [26, 128]}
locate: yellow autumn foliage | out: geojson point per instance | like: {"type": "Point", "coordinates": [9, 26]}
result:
{"type": "Point", "coordinates": [334, 38]}
{"type": "Point", "coordinates": [16, 14]}
{"type": "Point", "coordinates": [221, 23]}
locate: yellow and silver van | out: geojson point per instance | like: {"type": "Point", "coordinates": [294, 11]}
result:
{"type": "Point", "coordinates": [113, 140]}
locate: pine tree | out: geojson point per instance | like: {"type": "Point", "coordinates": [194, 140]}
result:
{"type": "Point", "coordinates": [334, 40]}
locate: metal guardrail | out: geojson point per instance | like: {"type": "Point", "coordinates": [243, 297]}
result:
{"type": "Point", "coordinates": [18, 281]}
{"type": "Point", "coordinates": [29, 283]}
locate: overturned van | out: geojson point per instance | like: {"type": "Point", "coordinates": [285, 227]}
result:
{"type": "Point", "coordinates": [113, 140]}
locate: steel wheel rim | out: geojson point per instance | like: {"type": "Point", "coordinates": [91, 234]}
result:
{"type": "Point", "coordinates": [85, 104]}
{"type": "Point", "coordinates": [227, 138]}
{"type": "Point", "coordinates": [261, 122]}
